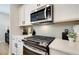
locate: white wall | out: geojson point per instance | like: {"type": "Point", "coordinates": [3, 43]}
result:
{"type": "Point", "coordinates": [4, 23]}
{"type": "Point", "coordinates": [5, 8]}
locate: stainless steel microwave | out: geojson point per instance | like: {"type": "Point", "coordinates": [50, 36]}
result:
{"type": "Point", "coordinates": [42, 14]}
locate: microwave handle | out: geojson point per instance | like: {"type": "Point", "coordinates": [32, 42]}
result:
{"type": "Point", "coordinates": [45, 13]}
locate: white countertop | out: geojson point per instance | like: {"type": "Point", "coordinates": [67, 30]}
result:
{"type": "Point", "coordinates": [21, 36]}
{"type": "Point", "coordinates": [65, 46]}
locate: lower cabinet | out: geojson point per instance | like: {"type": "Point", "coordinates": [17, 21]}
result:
{"type": "Point", "coordinates": [17, 47]}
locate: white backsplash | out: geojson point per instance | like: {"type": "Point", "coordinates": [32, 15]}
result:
{"type": "Point", "coordinates": [53, 30]}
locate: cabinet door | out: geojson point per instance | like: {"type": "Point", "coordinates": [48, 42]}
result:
{"type": "Point", "coordinates": [66, 12]}
{"type": "Point", "coordinates": [21, 15]}
{"type": "Point", "coordinates": [19, 47]}
{"type": "Point", "coordinates": [28, 9]}
{"type": "Point", "coordinates": [14, 47]}
{"type": "Point", "coordinates": [27, 14]}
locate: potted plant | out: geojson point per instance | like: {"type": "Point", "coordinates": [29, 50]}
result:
{"type": "Point", "coordinates": [72, 36]}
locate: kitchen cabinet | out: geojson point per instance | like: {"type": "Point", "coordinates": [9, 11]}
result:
{"type": "Point", "coordinates": [28, 9]}
{"type": "Point", "coordinates": [17, 46]}
{"type": "Point", "coordinates": [21, 15]}
{"type": "Point", "coordinates": [66, 12]}
{"type": "Point", "coordinates": [24, 15]}
{"type": "Point", "coordinates": [13, 47]}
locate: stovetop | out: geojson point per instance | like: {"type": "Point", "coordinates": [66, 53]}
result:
{"type": "Point", "coordinates": [39, 40]}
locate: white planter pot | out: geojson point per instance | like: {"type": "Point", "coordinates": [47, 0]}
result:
{"type": "Point", "coordinates": [71, 39]}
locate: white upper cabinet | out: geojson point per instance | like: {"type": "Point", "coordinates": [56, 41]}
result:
{"type": "Point", "coordinates": [27, 14]}
{"type": "Point", "coordinates": [21, 15]}
{"type": "Point", "coordinates": [66, 12]}
{"type": "Point", "coordinates": [28, 9]}
{"type": "Point", "coordinates": [24, 14]}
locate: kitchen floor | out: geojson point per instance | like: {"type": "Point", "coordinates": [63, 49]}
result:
{"type": "Point", "coordinates": [4, 49]}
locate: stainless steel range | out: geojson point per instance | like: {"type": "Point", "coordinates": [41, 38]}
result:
{"type": "Point", "coordinates": [38, 44]}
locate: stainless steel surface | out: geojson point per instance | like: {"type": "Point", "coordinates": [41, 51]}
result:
{"type": "Point", "coordinates": [38, 43]}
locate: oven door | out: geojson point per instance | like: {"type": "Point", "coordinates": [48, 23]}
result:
{"type": "Point", "coordinates": [29, 50]}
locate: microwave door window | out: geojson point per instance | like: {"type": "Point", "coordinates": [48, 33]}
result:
{"type": "Point", "coordinates": [33, 17]}
{"type": "Point", "coordinates": [41, 15]}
